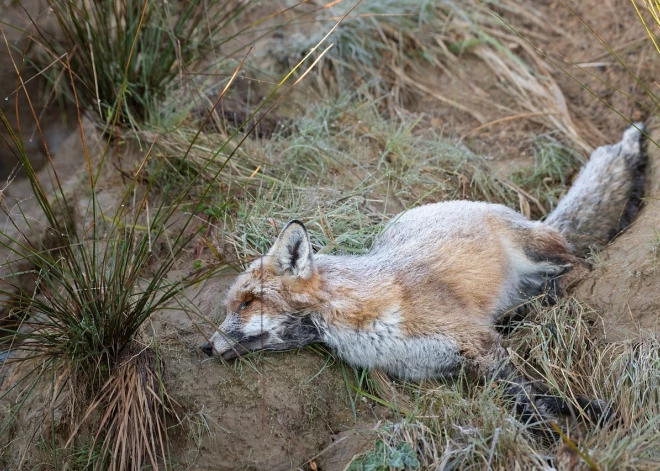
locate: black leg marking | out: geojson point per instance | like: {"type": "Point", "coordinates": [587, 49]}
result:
{"type": "Point", "coordinates": [538, 408]}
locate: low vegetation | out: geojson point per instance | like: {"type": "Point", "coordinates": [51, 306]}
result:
{"type": "Point", "coordinates": [84, 280]}
{"type": "Point", "coordinates": [463, 426]}
{"type": "Point", "coordinates": [126, 56]}
{"type": "Point", "coordinates": [79, 298]}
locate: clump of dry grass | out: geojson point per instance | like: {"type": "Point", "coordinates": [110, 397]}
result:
{"type": "Point", "coordinates": [133, 406]}
{"type": "Point", "coordinates": [374, 41]}
{"type": "Point", "coordinates": [186, 155]}
{"type": "Point", "coordinates": [549, 178]}
{"type": "Point", "coordinates": [498, 35]}
{"type": "Point", "coordinates": [393, 47]}
{"type": "Point", "coordinates": [76, 285]}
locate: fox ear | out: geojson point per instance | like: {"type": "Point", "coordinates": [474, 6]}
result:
{"type": "Point", "coordinates": [292, 252]}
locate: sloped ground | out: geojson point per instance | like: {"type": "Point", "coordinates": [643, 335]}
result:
{"type": "Point", "coordinates": [278, 411]}
{"type": "Point", "coordinates": [624, 287]}
{"type": "Point", "coordinates": [276, 406]}
{"type": "Point", "coordinates": [266, 412]}
{"type": "Point", "coordinates": [56, 119]}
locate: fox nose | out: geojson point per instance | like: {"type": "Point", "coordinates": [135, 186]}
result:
{"type": "Point", "coordinates": [208, 349]}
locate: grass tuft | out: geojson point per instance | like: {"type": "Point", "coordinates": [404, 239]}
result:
{"type": "Point", "coordinates": [134, 405]}
{"type": "Point", "coordinates": [550, 176]}
{"type": "Point", "coordinates": [79, 296]}
{"type": "Point", "coordinates": [374, 43]}
{"type": "Point", "coordinates": [125, 55]}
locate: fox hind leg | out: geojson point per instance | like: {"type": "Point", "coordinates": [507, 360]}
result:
{"type": "Point", "coordinates": [535, 405]}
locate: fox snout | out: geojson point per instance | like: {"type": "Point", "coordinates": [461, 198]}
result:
{"type": "Point", "coordinates": [234, 339]}
{"type": "Point", "coordinates": [232, 346]}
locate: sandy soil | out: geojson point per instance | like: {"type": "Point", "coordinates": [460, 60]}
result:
{"type": "Point", "coordinates": [277, 411]}
{"type": "Point", "coordinates": [57, 120]}
{"type": "Point", "coordinates": [272, 411]}
{"type": "Point", "coordinates": [624, 287]}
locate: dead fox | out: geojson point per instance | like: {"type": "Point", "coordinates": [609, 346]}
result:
{"type": "Point", "coordinates": [424, 302]}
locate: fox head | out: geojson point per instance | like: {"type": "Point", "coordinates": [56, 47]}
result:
{"type": "Point", "coordinates": [270, 305]}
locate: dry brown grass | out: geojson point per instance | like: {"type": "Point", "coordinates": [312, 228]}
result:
{"type": "Point", "coordinates": [502, 35]}
{"type": "Point", "coordinates": [344, 166]}
{"type": "Point", "coordinates": [458, 425]}
{"type": "Point", "coordinates": [133, 407]}
{"type": "Point", "coordinates": [395, 49]}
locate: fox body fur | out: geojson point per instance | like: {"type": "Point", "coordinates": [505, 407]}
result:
{"type": "Point", "coordinates": [424, 302]}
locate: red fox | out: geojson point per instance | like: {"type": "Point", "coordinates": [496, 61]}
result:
{"type": "Point", "coordinates": [424, 302]}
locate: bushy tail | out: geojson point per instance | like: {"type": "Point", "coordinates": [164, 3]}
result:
{"type": "Point", "coordinates": [606, 195]}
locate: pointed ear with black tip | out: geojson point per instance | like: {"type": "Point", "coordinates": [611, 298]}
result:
{"type": "Point", "coordinates": [292, 252]}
